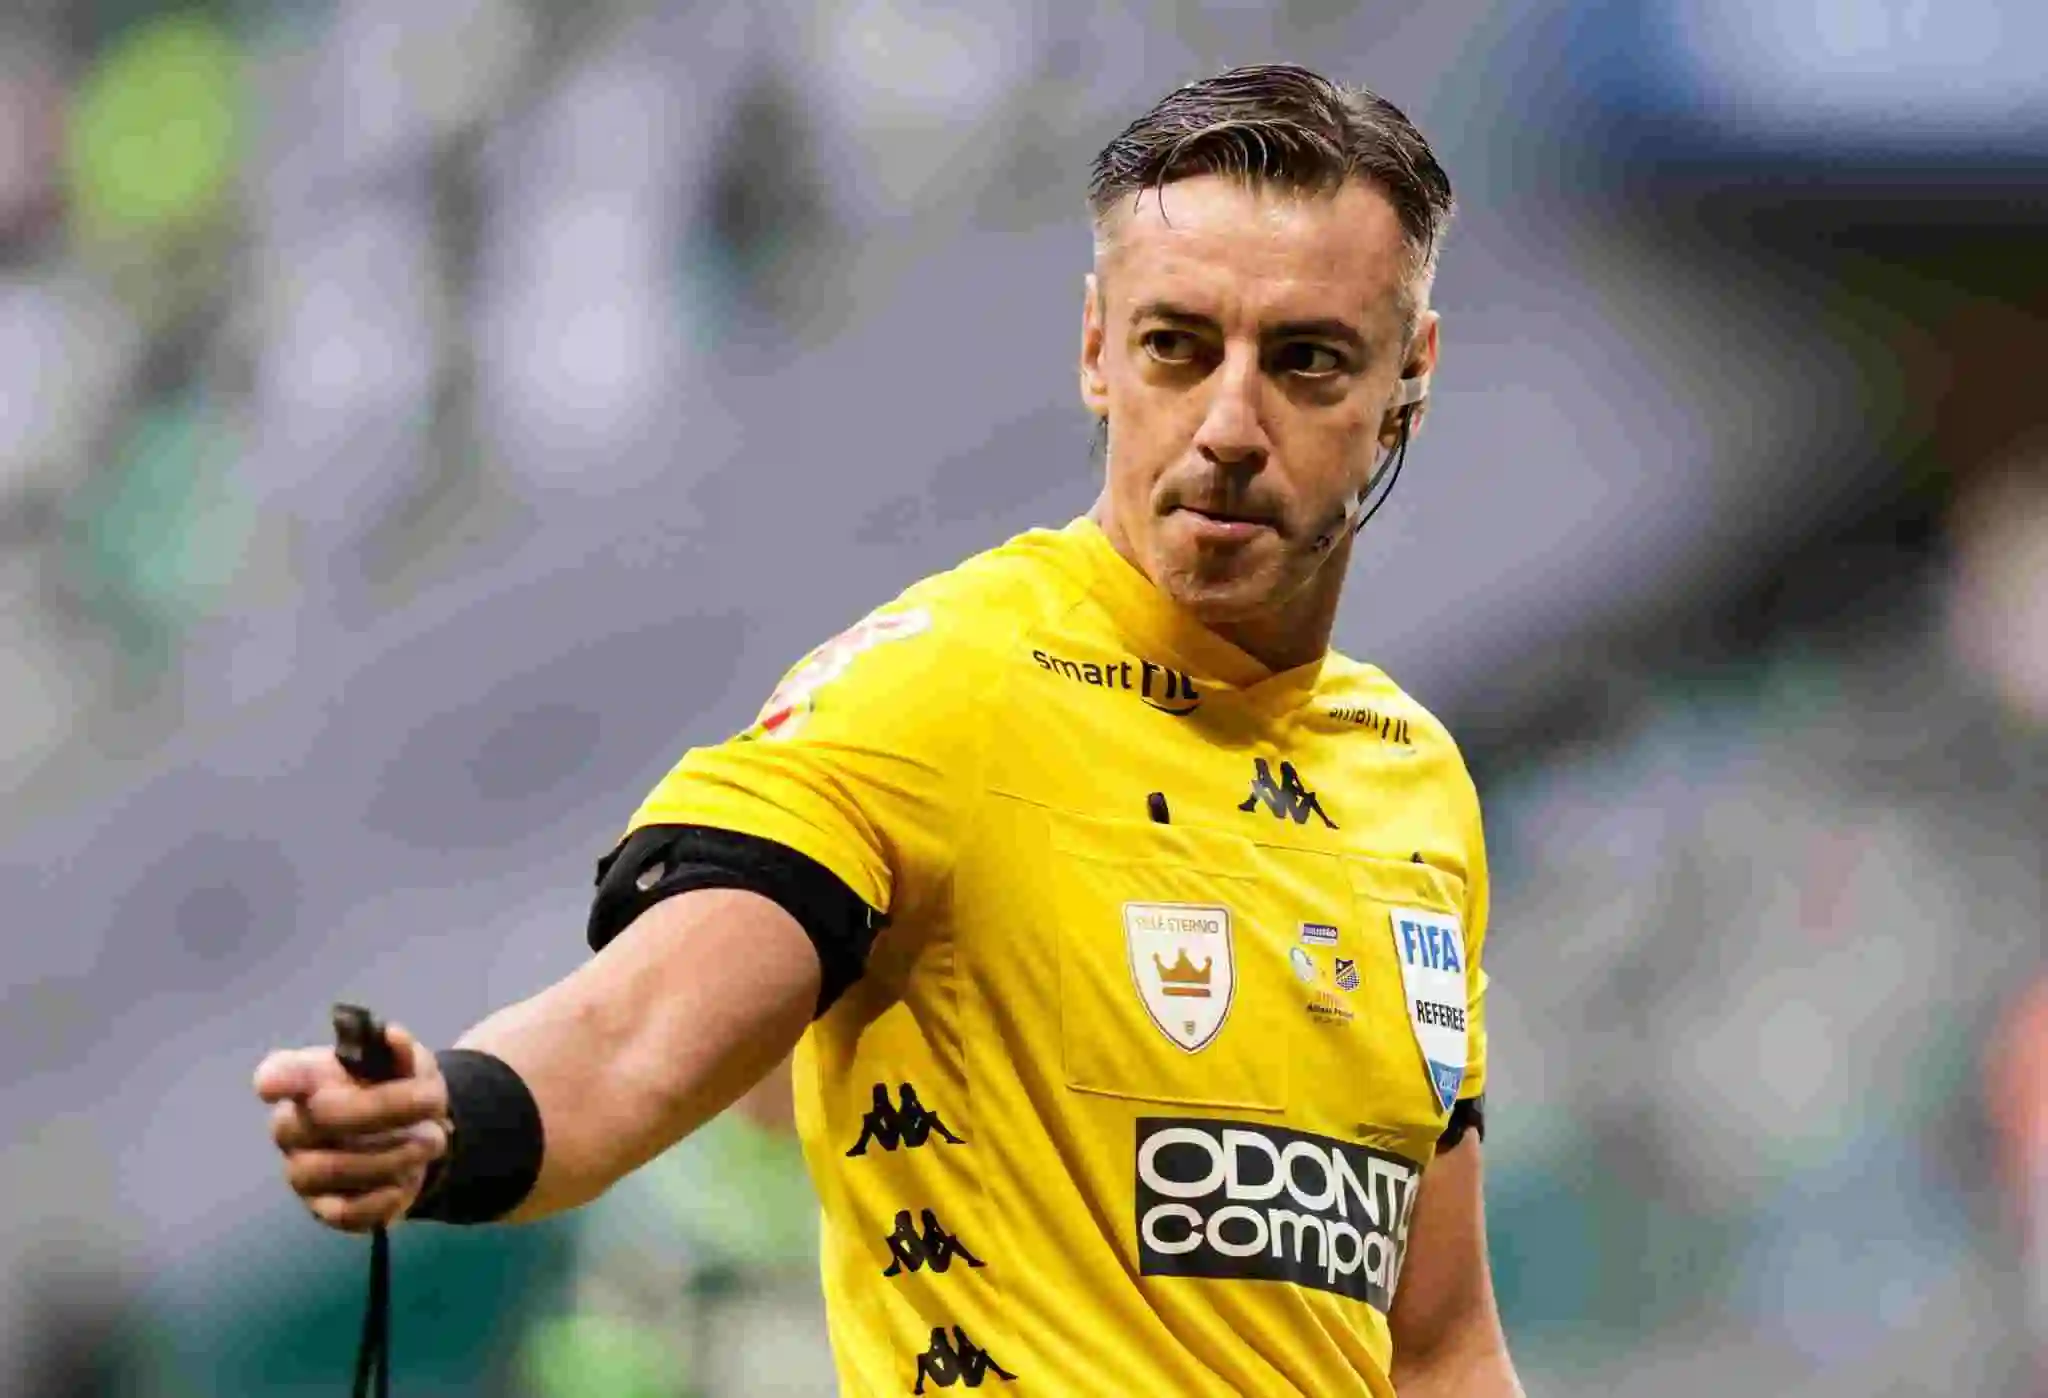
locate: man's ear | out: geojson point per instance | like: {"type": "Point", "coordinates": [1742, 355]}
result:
{"type": "Point", "coordinates": [1094, 387]}
{"type": "Point", "coordinates": [1419, 365]}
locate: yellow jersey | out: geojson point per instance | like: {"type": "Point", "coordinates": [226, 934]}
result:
{"type": "Point", "coordinates": [1179, 984]}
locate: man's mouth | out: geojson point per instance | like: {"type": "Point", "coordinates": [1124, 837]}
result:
{"type": "Point", "coordinates": [1225, 515]}
{"type": "Point", "coordinates": [1228, 521]}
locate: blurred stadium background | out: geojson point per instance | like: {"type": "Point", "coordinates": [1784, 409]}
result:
{"type": "Point", "coordinates": [419, 421]}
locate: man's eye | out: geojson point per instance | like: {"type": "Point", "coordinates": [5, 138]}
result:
{"type": "Point", "coordinates": [1309, 361]}
{"type": "Point", "coordinates": [1169, 346]}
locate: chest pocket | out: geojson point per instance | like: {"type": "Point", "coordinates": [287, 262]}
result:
{"type": "Point", "coordinates": [1406, 929]}
{"type": "Point", "coordinates": [1168, 991]}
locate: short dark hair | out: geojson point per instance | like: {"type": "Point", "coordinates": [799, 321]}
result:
{"type": "Point", "coordinates": [1284, 125]}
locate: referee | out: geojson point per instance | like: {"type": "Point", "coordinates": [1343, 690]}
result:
{"type": "Point", "coordinates": [1128, 938]}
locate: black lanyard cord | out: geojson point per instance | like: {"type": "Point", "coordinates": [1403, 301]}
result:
{"type": "Point", "coordinates": [373, 1353]}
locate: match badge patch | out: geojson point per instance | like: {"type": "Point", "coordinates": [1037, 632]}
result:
{"type": "Point", "coordinates": [1304, 965]}
{"type": "Point", "coordinates": [1182, 964]}
{"type": "Point", "coordinates": [1319, 934]}
{"type": "Point", "coordinates": [790, 705]}
{"type": "Point", "coordinates": [1431, 949]}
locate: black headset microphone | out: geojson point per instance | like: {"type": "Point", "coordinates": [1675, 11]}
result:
{"type": "Point", "coordinates": [1408, 397]}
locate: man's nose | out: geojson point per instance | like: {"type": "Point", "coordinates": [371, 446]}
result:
{"type": "Point", "coordinates": [1233, 431]}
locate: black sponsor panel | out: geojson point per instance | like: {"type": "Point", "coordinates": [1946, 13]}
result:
{"type": "Point", "coordinates": [1235, 1201]}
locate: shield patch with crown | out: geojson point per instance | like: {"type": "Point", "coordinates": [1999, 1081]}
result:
{"type": "Point", "coordinates": [1182, 963]}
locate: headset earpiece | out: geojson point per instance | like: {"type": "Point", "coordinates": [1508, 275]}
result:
{"type": "Point", "coordinates": [1396, 432]}
{"type": "Point", "coordinates": [1404, 413]}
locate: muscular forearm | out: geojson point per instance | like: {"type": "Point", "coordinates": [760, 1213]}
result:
{"type": "Point", "coordinates": [1480, 1372]}
{"type": "Point", "coordinates": [668, 1026]}
{"type": "Point", "coordinates": [1448, 1341]}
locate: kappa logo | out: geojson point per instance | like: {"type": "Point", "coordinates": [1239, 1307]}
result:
{"type": "Point", "coordinates": [934, 1247]}
{"type": "Point", "coordinates": [791, 704]}
{"type": "Point", "coordinates": [1286, 799]}
{"type": "Point", "coordinates": [1241, 1202]}
{"type": "Point", "coordinates": [907, 1123]}
{"type": "Point", "coordinates": [1182, 964]}
{"type": "Point", "coordinates": [958, 1360]}
{"type": "Point", "coordinates": [1169, 691]}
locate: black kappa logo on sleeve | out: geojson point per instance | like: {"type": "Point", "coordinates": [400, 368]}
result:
{"type": "Point", "coordinates": [934, 1248]}
{"type": "Point", "coordinates": [908, 1123]}
{"type": "Point", "coordinates": [1287, 799]}
{"type": "Point", "coordinates": [959, 1361]}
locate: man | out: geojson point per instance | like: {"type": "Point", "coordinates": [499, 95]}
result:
{"type": "Point", "coordinates": [1137, 934]}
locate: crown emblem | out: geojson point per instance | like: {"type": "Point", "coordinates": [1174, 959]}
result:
{"type": "Point", "coordinates": [1183, 977]}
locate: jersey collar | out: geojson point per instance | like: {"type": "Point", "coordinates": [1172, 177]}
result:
{"type": "Point", "coordinates": [1159, 627]}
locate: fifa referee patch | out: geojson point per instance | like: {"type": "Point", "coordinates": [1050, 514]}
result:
{"type": "Point", "coordinates": [1431, 949]}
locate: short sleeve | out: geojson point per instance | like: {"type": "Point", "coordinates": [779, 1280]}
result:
{"type": "Point", "coordinates": [1478, 909]}
{"type": "Point", "coordinates": [862, 759]}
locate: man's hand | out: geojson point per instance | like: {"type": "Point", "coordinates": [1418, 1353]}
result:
{"type": "Point", "coordinates": [356, 1153]}
{"type": "Point", "coordinates": [640, 1045]}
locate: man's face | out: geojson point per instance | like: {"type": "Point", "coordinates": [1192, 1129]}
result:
{"type": "Point", "coordinates": [1244, 344]}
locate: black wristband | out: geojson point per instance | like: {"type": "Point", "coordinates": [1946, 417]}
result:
{"type": "Point", "coordinates": [495, 1149]}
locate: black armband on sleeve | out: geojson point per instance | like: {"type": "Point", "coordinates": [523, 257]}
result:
{"type": "Point", "coordinates": [1469, 1114]}
{"type": "Point", "coordinates": [495, 1148]}
{"type": "Point", "coordinates": [660, 861]}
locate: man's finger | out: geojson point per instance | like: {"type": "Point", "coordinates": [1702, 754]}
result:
{"type": "Point", "coordinates": [297, 1073]}
{"type": "Point", "coordinates": [362, 1212]}
{"type": "Point", "coordinates": [353, 1109]}
{"type": "Point", "coordinates": [351, 1117]}
{"type": "Point", "coordinates": [412, 1058]}
{"type": "Point", "coordinates": [300, 1072]}
{"type": "Point", "coordinates": [293, 1129]}
{"type": "Point", "coordinates": [312, 1173]}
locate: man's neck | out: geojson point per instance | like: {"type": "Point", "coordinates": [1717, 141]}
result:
{"type": "Point", "coordinates": [1298, 631]}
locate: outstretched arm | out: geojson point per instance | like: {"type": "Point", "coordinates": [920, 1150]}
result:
{"type": "Point", "coordinates": [682, 1012]}
{"type": "Point", "coordinates": [739, 905]}
{"type": "Point", "coordinates": [688, 1008]}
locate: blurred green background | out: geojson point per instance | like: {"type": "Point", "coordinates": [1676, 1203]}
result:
{"type": "Point", "coordinates": [419, 423]}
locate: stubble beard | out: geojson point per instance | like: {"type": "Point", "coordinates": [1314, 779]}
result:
{"type": "Point", "coordinates": [1221, 588]}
